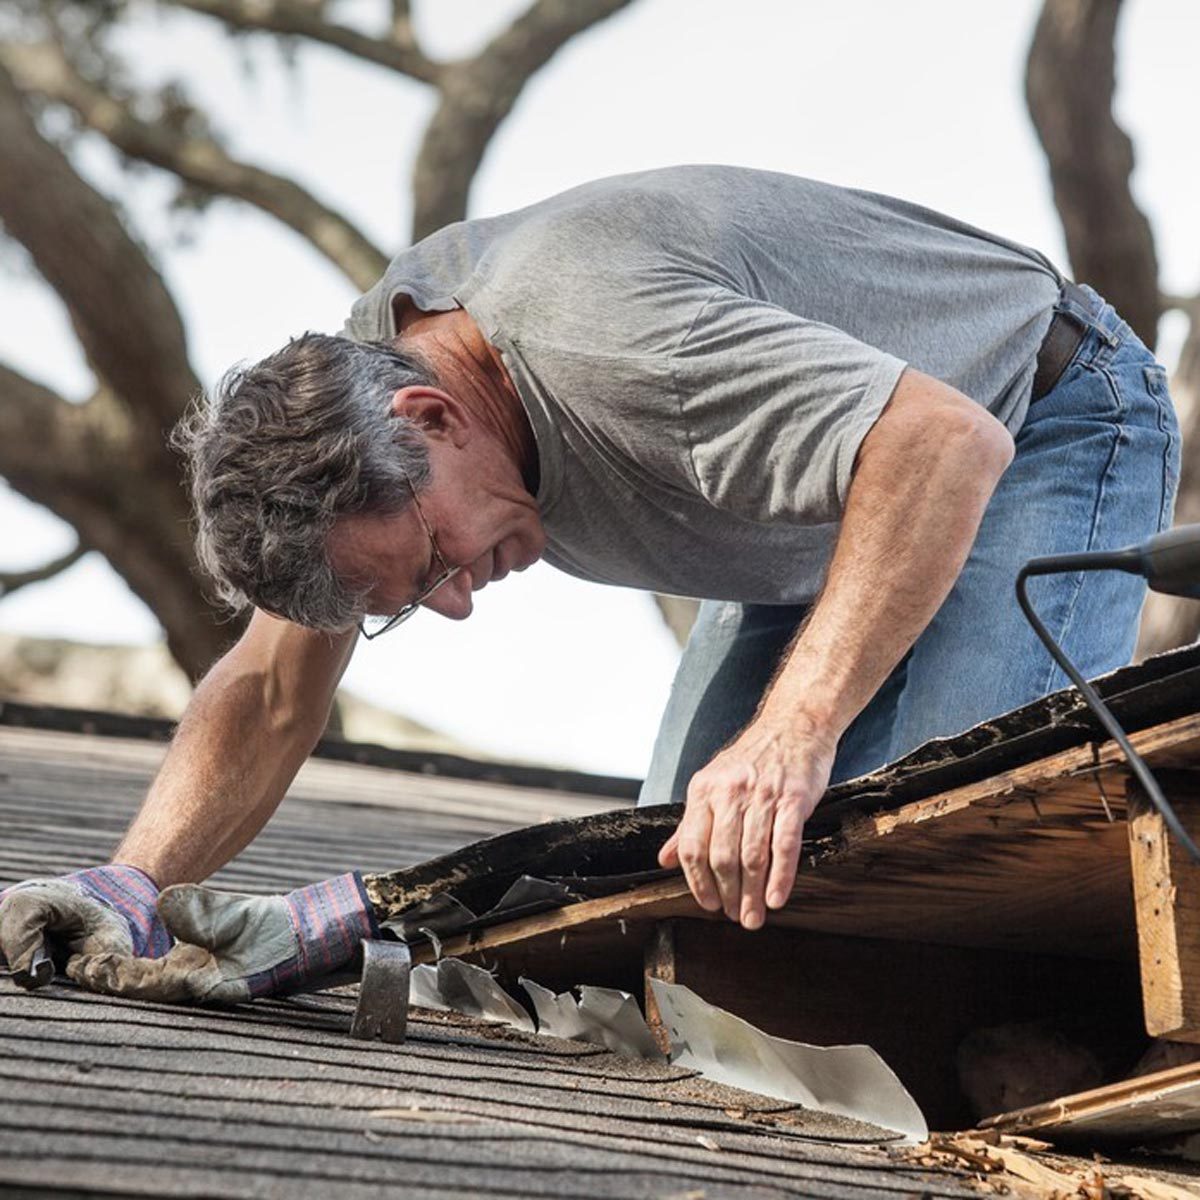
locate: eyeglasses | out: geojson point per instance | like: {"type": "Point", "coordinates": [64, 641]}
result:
{"type": "Point", "coordinates": [373, 627]}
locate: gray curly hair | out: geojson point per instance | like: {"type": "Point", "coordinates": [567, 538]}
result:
{"type": "Point", "coordinates": [284, 448]}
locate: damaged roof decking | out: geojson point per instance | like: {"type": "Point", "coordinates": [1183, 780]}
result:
{"type": "Point", "coordinates": [1009, 836]}
{"type": "Point", "coordinates": [102, 1096]}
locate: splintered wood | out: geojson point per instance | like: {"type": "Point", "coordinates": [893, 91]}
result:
{"type": "Point", "coordinates": [1166, 888]}
{"type": "Point", "coordinates": [1022, 1167]}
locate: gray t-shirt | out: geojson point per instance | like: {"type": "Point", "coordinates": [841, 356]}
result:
{"type": "Point", "coordinates": [702, 349]}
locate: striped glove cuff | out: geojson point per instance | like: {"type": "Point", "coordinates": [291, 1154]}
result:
{"type": "Point", "coordinates": [329, 920]}
{"type": "Point", "coordinates": [131, 893]}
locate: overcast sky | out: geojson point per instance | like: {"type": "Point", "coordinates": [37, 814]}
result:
{"type": "Point", "coordinates": [921, 99]}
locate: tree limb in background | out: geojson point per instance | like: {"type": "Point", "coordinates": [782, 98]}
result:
{"type": "Point", "coordinates": [122, 313]}
{"type": "Point", "coordinates": [294, 19]}
{"type": "Point", "coordinates": [45, 441]}
{"type": "Point", "coordinates": [1069, 84]}
{"type": "Point", "coordinates": [402, 32]}
{"type": "Point", "coordinates": [478, 93]}
{"type": "Point", "coordinates": [103, 466]}
{"type": "Point", "coordinates": [43, 69]}
{"type": "Point", "coordinates": [14, 581]}
{"type": "Point", "coordinates": [92, 466]}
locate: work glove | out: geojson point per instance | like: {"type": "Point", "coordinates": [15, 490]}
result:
{"type": "Point", "coordinates": [101, 910]}
{"type": "Point", "coordinates": [231, 947]}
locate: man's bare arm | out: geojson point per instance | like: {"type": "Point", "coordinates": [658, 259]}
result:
{"type": "Point", "coordinates": [922, 480]}
{"type": "Point", "coordinates": [250, 725]}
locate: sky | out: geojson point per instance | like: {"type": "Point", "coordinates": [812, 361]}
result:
{"type": "Point", "coordinates": [921, 100]}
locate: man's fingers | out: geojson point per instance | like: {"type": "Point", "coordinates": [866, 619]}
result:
{"type": "Point", "coordinates": [786, 840]}
{"type": "Point", "coordinates": [668, 856]}
{"type": "Point", "coordinates": [184, 973]}
{"type": "Point", "coordinates": [725, 856]}
{"type": "Point", "coordinates": [756, 860]}
{"type": "Point", "coordinates": [692, 850]}
{"type": "Point", "coordinates": [23, 921]}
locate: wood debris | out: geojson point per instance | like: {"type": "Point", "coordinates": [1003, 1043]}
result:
{"type": "Point", "coordinates": [1024, 1167]}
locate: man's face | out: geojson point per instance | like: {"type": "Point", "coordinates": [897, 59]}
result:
{"type": "Point", "coordinates": [482, 518]}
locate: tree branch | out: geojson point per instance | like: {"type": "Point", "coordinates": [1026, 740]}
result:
{"type": "Point", "coordinates": [1069, 84]}
{"type": "Point", "coordinates": [400, 54]}
{"type": "Point", "coordinates": [102, 276]}
{"type": "Point", "coordinates": [1185, 304]}
{"type": "Point", "coordinates": [13, 581]}
{"type": "Point", "coordinates": [403, 33]}
{"type": "Point", "coordinates": [478, 93]}
{"type": "Point", "coordinates": [44, 69]}
{"type": "Point", "coordinates": [45, 440]}
{"type": "Point", "coordinates": [88, 464]}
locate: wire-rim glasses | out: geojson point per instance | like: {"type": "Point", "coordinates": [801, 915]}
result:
{"type": "Point", "coordinates": [376, 626]}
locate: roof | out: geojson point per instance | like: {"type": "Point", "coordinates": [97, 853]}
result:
{"type": "Point", "coordinates": [105, 1096]}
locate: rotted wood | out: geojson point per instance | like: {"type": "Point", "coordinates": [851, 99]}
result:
{"type": "Point", "coordinates": [1166, 888]}
{"type": "Point", "coordinates": [1034, 859]}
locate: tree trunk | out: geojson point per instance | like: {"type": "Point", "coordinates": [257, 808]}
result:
{"type": "Point", "coordinates": [1069, 84]}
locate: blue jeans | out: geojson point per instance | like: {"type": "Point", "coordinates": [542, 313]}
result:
{"type": "Point", "coordinates": [1096, 467]}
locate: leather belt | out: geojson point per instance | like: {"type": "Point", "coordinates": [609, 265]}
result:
{"type": "Point", "coordinates": [1062, 339]}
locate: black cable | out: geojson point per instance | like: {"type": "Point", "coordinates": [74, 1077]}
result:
{"type": "Point", "coordinates": [1120, 560]}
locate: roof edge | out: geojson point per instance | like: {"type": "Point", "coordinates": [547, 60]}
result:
{"type": "Point", "coordinates": [99, 723]}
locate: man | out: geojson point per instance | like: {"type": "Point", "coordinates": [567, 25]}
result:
{"type": "Point", "coordinates": [841, 419]}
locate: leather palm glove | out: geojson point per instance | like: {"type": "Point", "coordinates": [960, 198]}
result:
{"type": "Point", "coordinates": [100, 910]}
{"type": "Point", "coordinates": [232, 947]}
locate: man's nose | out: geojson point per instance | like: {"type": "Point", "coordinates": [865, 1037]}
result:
{"type": "Point", "coordinates": [453, 598]}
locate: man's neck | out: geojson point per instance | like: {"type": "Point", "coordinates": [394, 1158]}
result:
{"type": "Point", "coordinates": [471, 368]}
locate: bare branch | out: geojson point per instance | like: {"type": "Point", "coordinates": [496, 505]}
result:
{"type": "Point", "coordinates": [82, 250]}
{"type": "Point", "coordinates": [403, 33]}
{"type": "Point", "coordinates": [1185, 304]}
{"type": "Point", "coordinates": [1069, 85]}
{"type": "Point", "coordinates": [14, 581]}
{"type": "Point", "coordinates": [46, 444]}
{"type": "Point", "coordinates": [301, 20]}
{"type": "Point", "coordinates": [89, 465]}
{"type": "Point", "coordinates": [478, 93]}
{"type": "Point", "coordinates": [45, 70]}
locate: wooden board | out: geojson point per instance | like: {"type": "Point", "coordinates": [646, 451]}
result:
{"type": "Point", "coordinates": [1166, 886]}
{"type": "Point", "coordinates": [1166, 1102]}
{"type": "Point", "coordinates": [1028, 860]}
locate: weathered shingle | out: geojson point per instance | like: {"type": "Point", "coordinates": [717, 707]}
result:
{"type": "Point", "coordinates": [105, 1096]}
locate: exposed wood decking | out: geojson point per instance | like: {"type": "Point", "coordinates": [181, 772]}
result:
{"type": "Point", "coordinates": [1034, 859]}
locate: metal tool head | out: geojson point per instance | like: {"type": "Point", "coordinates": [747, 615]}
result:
{"type": "Point", "coordinates": [382, 1010]}
{"type": "Point", "coordinates": [39, 972]}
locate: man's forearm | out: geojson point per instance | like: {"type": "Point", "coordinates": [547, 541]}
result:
{"type": "Point", "coordinates": [914, 508]}
{"type": "Point", "coordinates": [922, 480]}
{"type": "Point", "coordinates": [250, 725]}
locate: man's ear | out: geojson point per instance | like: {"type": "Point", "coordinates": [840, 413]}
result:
{"type": "Point", "coordinates": [436, 413]}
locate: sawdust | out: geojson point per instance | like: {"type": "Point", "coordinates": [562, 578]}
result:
{"type": "Point", "coordinates": [1025, 1167]}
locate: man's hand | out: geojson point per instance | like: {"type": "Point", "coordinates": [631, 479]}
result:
{"type": "Point", "coordinates": [99, 910]}
{"type": "Point", "coordinates": [232, 947]}
{"type": "Point", "coordinates": [740, 837]}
